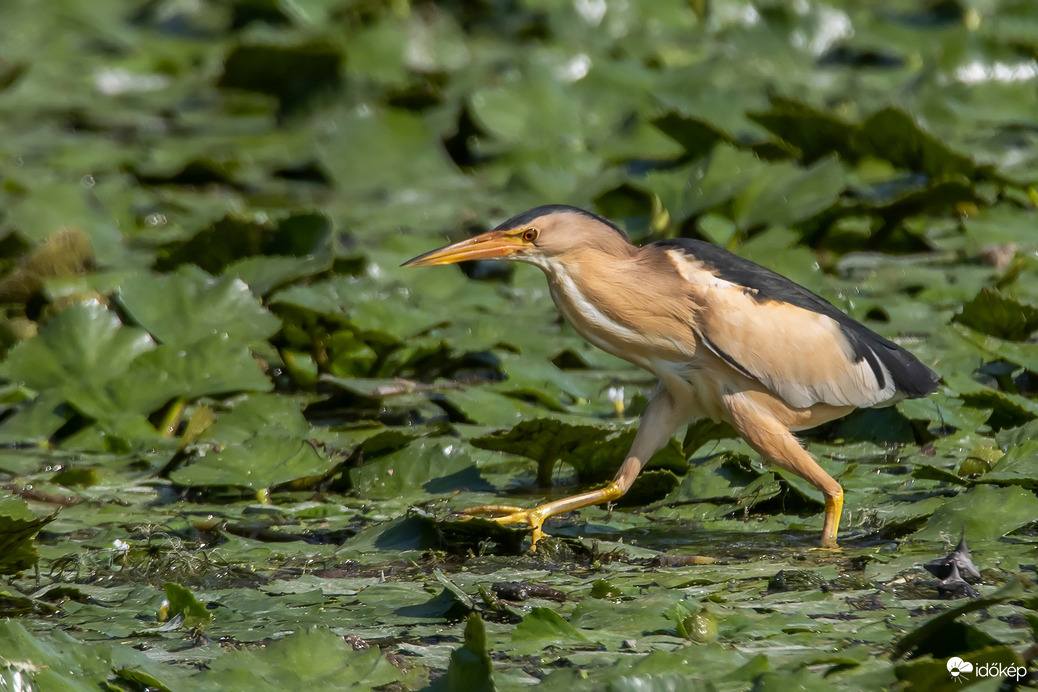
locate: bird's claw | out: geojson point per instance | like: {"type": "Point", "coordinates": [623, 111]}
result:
{"type": "Point", "coordinates": [513, 515]}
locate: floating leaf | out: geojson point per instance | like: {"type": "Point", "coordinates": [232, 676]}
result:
{"type": "Point", "coordinates": [427, 468]}
{"type": "Point", "coordinates": [263, 461]}
{"type": "Point", "coordinates": [933, 633]}
{"type": "Point", "coordinates": [981, 513]}
{"type": "Point", "coordinates": [180, 602]}
{"type": "Point", "coordinates": [314, 658]}
{"type": "Point", "coordinates": [54, 660]}
{"type": "Point", "coordinates": [892, 134]}
{"type": "Point", "coordinates": [183, 308]}
{"type": "Point", "coordinates": [470, 666]}
{"type": "Point", "coordinates": [993, 313]}
{"type": "Point", "coordinates": [85, 343]}
{"type": "Point", "coordinates": [18, 527]}
{"type": "Point", "coordinates": [784, 195]}
{"type": "Point", "coordinates": [544, 626]}
{"type": "Point", "coordinates": [815, 133]}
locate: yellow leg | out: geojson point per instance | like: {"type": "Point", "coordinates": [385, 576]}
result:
{"type": "Point", "coordinates": [833, 508]}
{"type": "Point", "coordinates": [535, 517]}
{"type": "Point", "coordinates": [660, 421]}
{"type": "Point", "coordinates": [773, 441]}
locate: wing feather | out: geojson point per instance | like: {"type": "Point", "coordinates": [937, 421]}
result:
{"type": "Point", "coordinates": [790, 340]}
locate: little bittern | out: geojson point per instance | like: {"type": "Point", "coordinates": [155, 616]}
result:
{"type": "Point", "coordinates": [728, 339]}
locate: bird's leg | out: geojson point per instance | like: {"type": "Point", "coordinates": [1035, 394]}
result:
{"type": "Point", "coordinates": [773, 441]}
{"type": "Point", "coordinates": [660, 421]}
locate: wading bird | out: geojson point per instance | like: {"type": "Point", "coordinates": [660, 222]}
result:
{"type": "Point", "coordinates": [729, 340]}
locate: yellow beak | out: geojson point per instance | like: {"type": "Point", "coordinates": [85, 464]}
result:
{"type": "Point", "coordinates": [490, 245]}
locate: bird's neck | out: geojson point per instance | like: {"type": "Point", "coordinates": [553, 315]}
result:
{"type": "Point", "coordinates": [607, 300]}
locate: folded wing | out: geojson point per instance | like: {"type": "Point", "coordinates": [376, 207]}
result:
{"type": "Point", "coordinates": [790, 340]}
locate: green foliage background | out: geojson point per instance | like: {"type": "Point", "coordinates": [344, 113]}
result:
{"type": "Point", "coordinates": [232, 430]}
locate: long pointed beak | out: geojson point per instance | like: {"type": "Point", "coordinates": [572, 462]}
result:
{"type": "Point", "coordinates": [490, 245]}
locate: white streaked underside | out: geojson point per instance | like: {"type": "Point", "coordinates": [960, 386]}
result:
{"type": "Point", "coordinates": [692, 397]}
{"type": "Point", "coordinates": [568, 297]}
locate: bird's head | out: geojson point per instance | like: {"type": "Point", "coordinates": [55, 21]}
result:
{"type": "Point", "coordinates": [539, 236]}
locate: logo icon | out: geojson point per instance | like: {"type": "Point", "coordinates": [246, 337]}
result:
{"type": "Point", "coordinates": [958, 668]}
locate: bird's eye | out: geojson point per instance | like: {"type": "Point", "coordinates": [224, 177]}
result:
{"type": "Point", "coordinates": [530, 235]}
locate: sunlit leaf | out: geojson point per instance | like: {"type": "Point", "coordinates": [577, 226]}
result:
{"type": "Point", "coordinates": [982, 513]}
{"type": "Point", "coordinates": [544, 626]}
{"type": "Point", "coordinates": [86, 342]}
{"type": "Point", "coordinates": [185, 307]}
{"type": "Point", "coordinates": [427, 468]}
{"type": "Point", "coordinates": [182, 603]}
{"type": "Point", "coordinates": [264, 460]}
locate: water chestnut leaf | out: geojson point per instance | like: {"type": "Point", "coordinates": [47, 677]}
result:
{"type": "Point", "coordinates": [86, 342]}
{"type": "Point", "coordinates": [983, 513]}
{"type": "Point", "coordinates": [181, 602]}
{"type": "Point", "coordinates": [544, 627]}
{"type": "Point", "coordinates": [428, 467]}
{"type": "Point", "coordinates": [470, 668]}
{"type": "Point", "coordinates": [183, 308]}
{"type": "Point", "coordinates": [263, 461]}
{"type": "Point", "coordinates": [993, 313]}
{"type": "Point", "coordinates": [18, 527]}
{"type": "Point", "coordinates": [315, 658]}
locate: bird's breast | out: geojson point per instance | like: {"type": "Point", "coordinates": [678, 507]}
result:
{"type": "Point", "coordinates": [601, 331]}
{"type": "Point", "coordinates": [643, 339]}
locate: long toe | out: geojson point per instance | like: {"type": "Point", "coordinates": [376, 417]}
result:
{"type": "Point", "coordinates": [491, 509]}
{"type": "Point", "coordinates": [534, 518]}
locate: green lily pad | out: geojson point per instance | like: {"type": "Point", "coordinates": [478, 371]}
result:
{"type": "Point", "coordinates": [54, 660]}
{"type": "Point", "coordinates": [256, 412]}
{"type": "Point", "coordinates": [471, 668]}
{"type": "Point", "coordinates": [183, 308]}
{"type": "Point", "coordinates": [18, 527]}
{"type": "Point", "coordinates": [982, 513]}
{"type": "Point", "coordinates": [182, 603]}
{"type": "Point", "coordinates": [85, 343]}
{"type": "Point", "coordinates": [428, 467]}
{"type": "Point", "coordinates": [814, 132]}
{"type": "Point", "coordinates": [993, 313]}
{"type": "Point", "coordinates": [785, 195]}
{"type": "Point", "coordinates": [1019, 466]}
{"type": "Point", "coordinates": [544, 627]}
{"type": "Point", "coordinates": [263, 275]}
{"type": "Point", "coordinates": [894, 135]}
{"type": "Point", "coordinates": [315, 658]}
{"type": "Point", "coordinates": [265, 460]}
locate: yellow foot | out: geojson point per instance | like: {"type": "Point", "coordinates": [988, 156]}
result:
{"type": "Point", "coordinates": [534, 518]}
{"type": "Point", "coordinates": [827, 546]}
